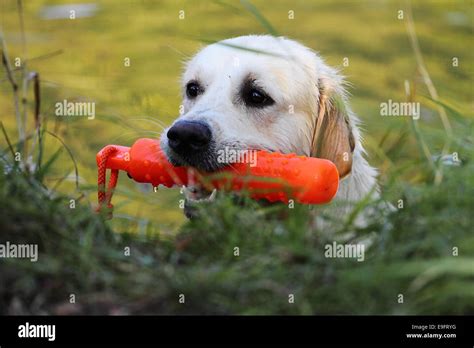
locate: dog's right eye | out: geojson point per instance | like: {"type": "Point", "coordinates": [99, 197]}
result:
{"type": "Point", "coordinates": [193, 90]}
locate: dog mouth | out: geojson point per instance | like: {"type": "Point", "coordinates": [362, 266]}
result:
{"type": "Point", "coordinates": [216, 157]}
{"type": "Point", "coordinates": [211, 161]}
{"type": "Point", "coordinates": [206, 161]}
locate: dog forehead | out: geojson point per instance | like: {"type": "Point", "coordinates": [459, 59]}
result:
{"type": "Point", "coordinates": [261, 55]}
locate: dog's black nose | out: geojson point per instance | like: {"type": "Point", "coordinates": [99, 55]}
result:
{"type": "Point", "coordinates": [186, 137]}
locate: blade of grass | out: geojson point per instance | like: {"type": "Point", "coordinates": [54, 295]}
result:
{"type": "Point", "coordinates": [238, 47]}
{"type": "Point", "coordinates": [24, 72]}
{"type": "Point", "coordinates": [7, 139]}
{"type": "Point", "coordinates": [46, 55]}
{"type": "Point", "coordinates": [233, 8]}
{"type": "Point", "coordinates": [6, 63]}
{"type": "Point", "coordinates": [259, 16]}
{"type": "Point", "coordinates": [429, 84]}
{"type": "Point", "coordinates": [421, 143]}
{"type": "Point", "coordinates": [70, 155]}
{"type": "Point", "coordinates": [452, 109]}
{"type": "Point", "coordinates": [41, 172]}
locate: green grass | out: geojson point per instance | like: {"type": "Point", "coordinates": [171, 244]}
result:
{"type": "Point", "coordinates": [281, 251]}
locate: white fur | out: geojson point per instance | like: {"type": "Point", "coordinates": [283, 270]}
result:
{"type": "Point", "coordinates": [290, 73]}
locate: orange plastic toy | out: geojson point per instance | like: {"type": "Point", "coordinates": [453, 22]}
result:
{"type": "Point", "coordinates": [275, 177]}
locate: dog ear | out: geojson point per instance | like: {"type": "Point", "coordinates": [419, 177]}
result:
{"type": "Point", "coordinates": [333, 138]}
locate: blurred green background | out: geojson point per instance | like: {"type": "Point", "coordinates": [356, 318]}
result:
{"type": "Point", "coordinates": [87, 64]}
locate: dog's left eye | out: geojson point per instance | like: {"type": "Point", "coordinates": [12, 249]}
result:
{"type": "Point", "coordinates": [256, 98]}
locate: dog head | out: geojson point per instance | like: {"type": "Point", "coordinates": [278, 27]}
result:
{"type": "Point", "coordinates": [260, 93]}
